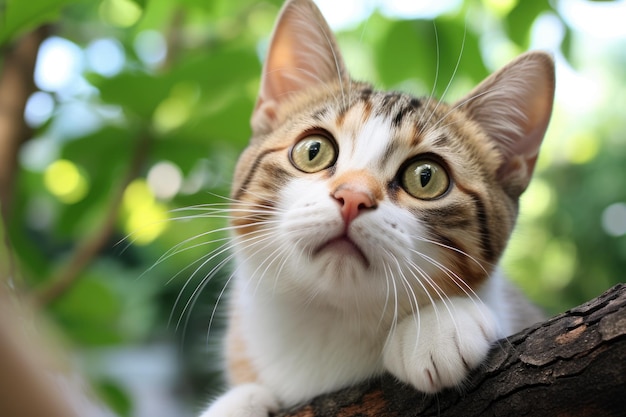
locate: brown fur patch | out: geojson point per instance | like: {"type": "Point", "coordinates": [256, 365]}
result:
{"type": "Point", "coordinates": [240, 367]}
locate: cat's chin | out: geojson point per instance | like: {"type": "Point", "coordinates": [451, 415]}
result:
{"type": "Point", "coordinates": [344, 248]}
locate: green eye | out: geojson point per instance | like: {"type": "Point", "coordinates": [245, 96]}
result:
{"type": "Point", "coordinates": [313, 153]}
{"type": "Point", "coordinates": [425, 179]}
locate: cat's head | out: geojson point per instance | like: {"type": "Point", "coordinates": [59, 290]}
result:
{"type": "Point", "coordinates": [349, 193]}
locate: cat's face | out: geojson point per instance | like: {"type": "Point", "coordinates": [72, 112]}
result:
{"type": "Point", "coordinates": [388, 190]}
{"type": "Point", "coordinates": [347, 195]}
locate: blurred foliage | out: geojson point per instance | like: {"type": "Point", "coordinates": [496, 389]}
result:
{"type": "Point", "coordinates": [176, 107]}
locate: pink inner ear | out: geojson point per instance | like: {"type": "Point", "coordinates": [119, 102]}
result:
{"type": "Point", "coordinates": [513, 106]}
{"type": "Point", "coordinates": [303, 54]}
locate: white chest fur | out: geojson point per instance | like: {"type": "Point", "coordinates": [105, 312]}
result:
{"type": "Point", "coordinates": [303, 350]}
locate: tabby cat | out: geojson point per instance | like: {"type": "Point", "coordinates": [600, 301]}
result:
{"type": "Point", "coordinates": [367, 225]}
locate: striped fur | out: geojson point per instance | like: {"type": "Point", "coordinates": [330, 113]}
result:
{"type": "Point", "coordinates": [343, 273]}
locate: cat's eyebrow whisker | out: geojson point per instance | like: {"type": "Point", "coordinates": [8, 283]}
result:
{"type": "Point", "coordinates": [431, 97]}
{"type": "Point", "coordinates": [445, 91]}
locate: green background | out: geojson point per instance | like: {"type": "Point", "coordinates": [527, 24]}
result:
{"type": "Point", "coordinates": [136, 293]}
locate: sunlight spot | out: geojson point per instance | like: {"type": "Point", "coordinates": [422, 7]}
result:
{"type": "Point", "coordinates": [614, 219]}
{"type": "Point", "coordinates": [171, 113]}
{"type": "Point", "coordinates": [146, 223]}
{"type": "Point", "coordinates": [165, 179]}
{"type": "Point", "coordinates": [500, 8]}
{"type": "Point", "coordinates": [137, 193]}
{"type": "Point", "coordinates": [39, 108]}
{"type": "Point", "coordinates": [120, 13]}
{"type": "Point", "coordinates": [538, 199]}
{"type": "Point", "coordinates": [558, 263]}
{"type": "Point", "coordinates": [582, 148]}
{"type": "Point", "coordinates": [150, 47]}
{"type": "Point", "coordinates": [146, 219]}
{"type": "Point", "coordinates": [175, 110]}
{"type": "Point", "coordinates": [59, 63]}
{"type": "Point", "coordinates": [65, 181]}
{"type": "Point", "coordinates": [105, 56]}
{"type": "Point", "coordinates": [260, 21]}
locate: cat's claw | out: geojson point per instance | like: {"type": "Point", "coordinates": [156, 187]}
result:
{"type": "Point", "coordinates": [439, 347]}
{"type": "Point", "coordinates": [248, 400]}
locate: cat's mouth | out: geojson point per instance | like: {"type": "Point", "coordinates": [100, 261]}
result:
{"type": "Point", "coordinates": [343, 246]}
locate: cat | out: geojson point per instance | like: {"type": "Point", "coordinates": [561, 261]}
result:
{"type": "Point", "coordinates": [367, 225]}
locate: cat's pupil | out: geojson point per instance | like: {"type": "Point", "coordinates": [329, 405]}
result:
{"type": "Point", "coordinates": [425, 175]}
{"type": "Point", "coordinates": [314, 149]}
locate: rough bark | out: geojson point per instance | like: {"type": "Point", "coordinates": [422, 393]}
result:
{"type": "Point", "coordinates": [571, 365]}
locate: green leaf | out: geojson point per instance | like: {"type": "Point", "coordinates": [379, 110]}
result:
{"type": "Point", "coordinates": [115, 397]}
{"type": "Point", "coordinates": [89, 312]}
{"type": "Point", "coordinates": [520, 20]}
{"type": "Point", "coordinates": [407, 52]}
{"type": "Point", "coordinates": [137, 92]}
{"type": "Point", "coordinates": [429, 51]}
{"type": "Point", "coordinates": [21, 15]}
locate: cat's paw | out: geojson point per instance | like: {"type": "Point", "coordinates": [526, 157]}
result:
{"type": "Point", "coordinates": [439, 347]}
{"type": "Point", "coordinates": [248, 400]}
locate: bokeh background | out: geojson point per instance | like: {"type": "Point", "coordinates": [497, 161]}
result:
{"type": "Point", "coordinates": [139, 109]}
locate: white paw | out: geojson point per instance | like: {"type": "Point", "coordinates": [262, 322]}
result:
{"type": "Point", "coordinates": [438, 348]}
{"type": "Point", "coordinates": [248, 400]}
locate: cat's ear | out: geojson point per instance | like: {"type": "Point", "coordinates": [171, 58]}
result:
{"type": "Point", "coordinates": [302, 54]}
{"type": "Point", "coordinates": [513, 106]}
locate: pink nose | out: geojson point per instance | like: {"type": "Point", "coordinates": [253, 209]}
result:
{"type": "Point", "coordinates": [353, 202]}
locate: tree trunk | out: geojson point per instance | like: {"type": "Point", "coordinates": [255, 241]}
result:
{"type": "Point", "coordinates": [571, 365]}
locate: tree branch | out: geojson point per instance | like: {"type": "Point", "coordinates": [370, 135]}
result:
{"type": "Point", "coordinates": [16, 86]}
{"type": "Point", "coordinates": [571, 365]}
{"type": "Point", "coordinates": [63, 278]}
